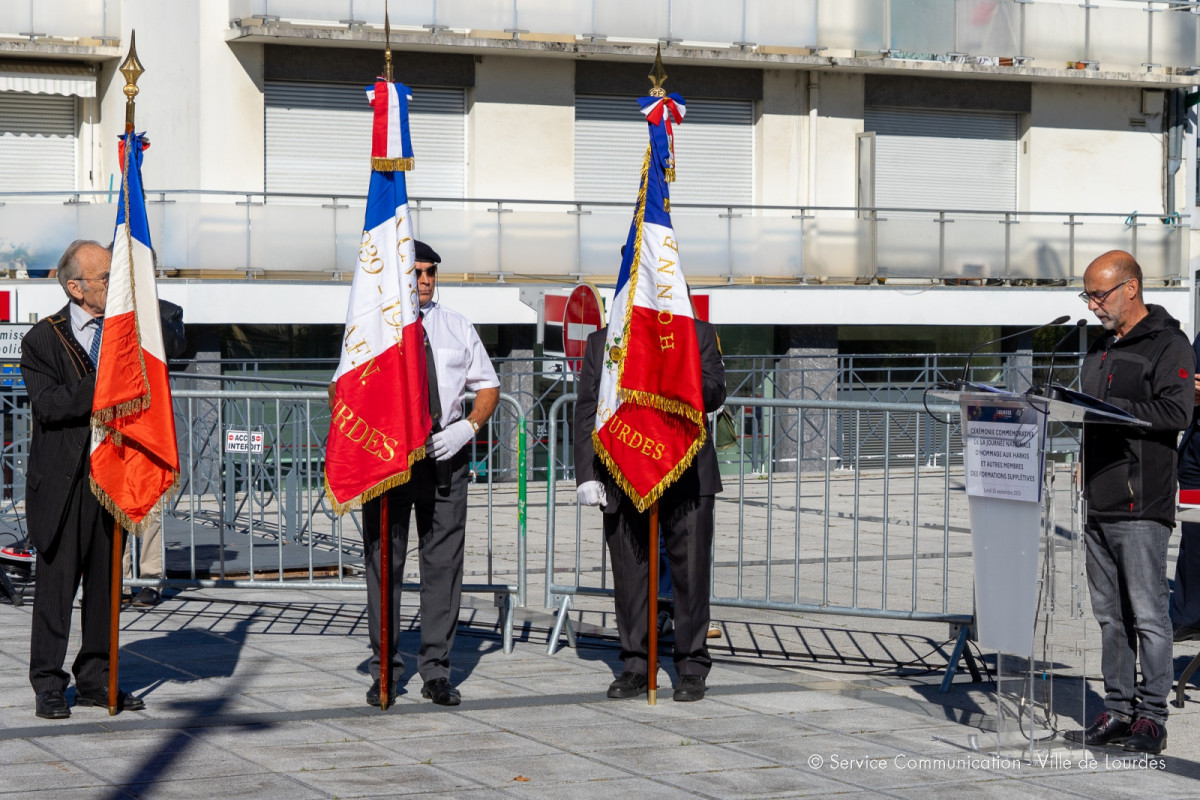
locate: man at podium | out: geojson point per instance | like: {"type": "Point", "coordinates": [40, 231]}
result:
{"type": "Point", "coordinates": [1143, 364]}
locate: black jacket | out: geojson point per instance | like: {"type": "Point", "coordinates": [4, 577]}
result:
{"type": "Point", "coordinates": [703, 477]}
{"type": "Point", "coordinates": [1129, 471]}
{"type": "Point", "coordinates": [61, 381]}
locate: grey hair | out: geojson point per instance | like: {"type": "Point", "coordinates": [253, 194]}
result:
{"type": "Point", "coordinates": [68, 263]}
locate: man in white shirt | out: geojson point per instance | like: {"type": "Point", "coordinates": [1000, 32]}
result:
{"type": "Point", "coordinates": [437, 491]}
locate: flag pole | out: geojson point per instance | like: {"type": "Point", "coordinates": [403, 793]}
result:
{"type": "Point", "coordinates": [385, 556]}
{"type": "Point", "coordinates": [652, 655]}
{"type": "Point", "coordinates": [132, 70]}
{"type": "Point", "coordinates": [658, 76]}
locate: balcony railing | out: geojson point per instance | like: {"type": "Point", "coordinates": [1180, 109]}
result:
{"type": "Point", "coordinates": [316, 238]}
{"type": "Point", "coordinates": [61, 19]}
{"type": "Point", "coordinates": [1053, 33]}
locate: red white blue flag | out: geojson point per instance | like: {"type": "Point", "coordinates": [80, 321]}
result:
{"type": "Point", "coordinates": [381, 399]}
{"type": "Point", "coordinates": [650, 411]}
{"type": "Point", "coordinates": [134, 457]}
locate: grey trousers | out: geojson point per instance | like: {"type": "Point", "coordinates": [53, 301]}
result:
{"type": "Point", "coordinates": [441, 523]}
{"type": "Point", "coordinates": [1127, 576]}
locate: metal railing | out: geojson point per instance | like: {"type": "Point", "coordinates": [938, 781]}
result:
{"type": "Point", "coordinates": [1131, 34]}
{"type": "Point", "coordinates": [258, 517]}
{"type": "Point", "coordinates": [872, 542]}
{"type": "Point", "coordinates": [256, 234]}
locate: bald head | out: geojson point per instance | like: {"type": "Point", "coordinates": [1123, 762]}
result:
{"type": "Point", "coordinates": [1119, 265]}
{"type": "Point", "coordinates": [1113, 286]}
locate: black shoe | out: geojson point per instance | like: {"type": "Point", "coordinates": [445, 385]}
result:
{"type": "Point", "coordinates": [125, 702]}
{"type": "Point", "coordinates": [146, 598]}
{"type": "Point", "coordinates": [52, 705]}
{"type": "Point", "coordinates": [1182, 633]}
{"type": "Point", "coordinates": [373, 694]}
{"type": "Point", "coordinates": [1147, 736]}
{"type": "Point", "coordinates": [629, 684]}
{"type": "Point", "coordinates": [665, 623]}
{"type": "Point", "coordinates": [1107, 729]}
{"type": "Point", "coordinates": [689, 688]}
{"type": "Point", "coordinates": [441, 692]}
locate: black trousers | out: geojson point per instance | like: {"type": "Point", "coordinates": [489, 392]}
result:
{"type": "Point", "coordinates": [687, 527]}
{"type": "Point", "coordinates": [441, 523]}
{"type": "Point", "coordinates": [83, 552]}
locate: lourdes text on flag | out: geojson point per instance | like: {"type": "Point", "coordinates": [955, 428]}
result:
{"type": "Point", "coordinates": [134, 458]}
{"type": "Point", "coordinates": [381, 396]}
{"type": "Point", "coordinates": [650, 411]}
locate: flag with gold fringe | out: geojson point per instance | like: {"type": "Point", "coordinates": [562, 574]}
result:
{"type": "Point", "coordinates": [381, 398]}
{"type": "Point", "coordinates": [650, 410]}
{"type": "Point", "coordinates": [134, 456]}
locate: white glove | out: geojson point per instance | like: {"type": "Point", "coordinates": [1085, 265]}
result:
{"type": "Point", "coordinates": [445, 443]}
{"type": "Point", "coordinates": [591, 493]}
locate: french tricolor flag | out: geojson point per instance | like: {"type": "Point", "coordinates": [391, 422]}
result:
{"type": "Point", "coordinates": [134, 458]}
{"type": "Point", "coordinates": [650, 410]}
{"type": "Point", "coordinates": [381, 389]}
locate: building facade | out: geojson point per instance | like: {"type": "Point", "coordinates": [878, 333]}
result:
{"type": "Point", "coordinates": [853, 175]}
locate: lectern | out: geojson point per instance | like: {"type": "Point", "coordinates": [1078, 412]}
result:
{"type": "Point", "coordinates": [1014, 520]}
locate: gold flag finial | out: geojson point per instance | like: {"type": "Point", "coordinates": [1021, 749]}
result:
{"type": "Point", "coordinates": [658, 75]}
{"type": "Point", "coordinates": [132, 70]}
{"type": "Point", "coordinates": [387, 46]}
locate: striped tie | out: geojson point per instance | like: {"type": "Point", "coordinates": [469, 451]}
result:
{"type": "Point", "coordinates": [94, 353]}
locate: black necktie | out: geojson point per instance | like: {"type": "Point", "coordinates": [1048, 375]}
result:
{"type": "Point", "coordinates": [435, 400]}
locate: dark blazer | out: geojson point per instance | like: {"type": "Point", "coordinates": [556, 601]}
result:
{"type": "Point", "coordinates": [60, 380]}
{"type": "Point", "coordinates": [703, 477]}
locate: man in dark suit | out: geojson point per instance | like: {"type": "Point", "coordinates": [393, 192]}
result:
{"type": "Point", "coordinates": [1185, 599]}
{"type": "Point", "coordinates": [685, 518]}
{"type": "Point", "coordinates": [67, 525]}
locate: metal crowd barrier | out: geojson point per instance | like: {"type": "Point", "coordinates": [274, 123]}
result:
{"type": "Point", "coordinates": [251, 510]}
{"type": "Point", "coordinates": [796, 532]}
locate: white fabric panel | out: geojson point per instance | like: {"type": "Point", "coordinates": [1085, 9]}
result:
{"type": "Point", "coordinates": [37, 142]}
{"type": "Point", "coordinates": [54, 79]}
{"type": "Point", "coordinates": [944, 159]}
{"type": "Point", "coordinates": [714, 150]}
{"type": "Point", "coordinates": [318, 140]}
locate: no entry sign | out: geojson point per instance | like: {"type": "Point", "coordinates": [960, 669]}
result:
{"type": "Point", "coordinates": [584, 314]}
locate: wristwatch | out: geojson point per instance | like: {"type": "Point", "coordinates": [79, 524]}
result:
{"type": "Point", "coordinates": [474, 425]}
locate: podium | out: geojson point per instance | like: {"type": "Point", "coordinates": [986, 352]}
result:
{"type": "Point", "coordinates": [1022, 608]}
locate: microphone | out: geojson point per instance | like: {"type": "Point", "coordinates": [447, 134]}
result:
{"type": "Point", "coordinates": [1048, 386]}
{"type": "Point", "coordinates": [962, 382]}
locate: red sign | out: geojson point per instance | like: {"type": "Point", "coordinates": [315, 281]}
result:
{"type": "Point", "coordinates": [584, 314]}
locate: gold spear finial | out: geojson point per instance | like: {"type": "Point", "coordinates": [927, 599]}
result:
{"type": "Point", "coordinates": [658, 75]}
{"type": "Point", "coordinates": [387, 46]}
{"type": "Point", "coordinates": [132, 70]}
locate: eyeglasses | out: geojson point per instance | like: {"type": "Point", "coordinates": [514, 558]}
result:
{"type": "Point", "coordinates": [430, 271]}
{"type": "Point", "coordinates": [1099, 297]}
{"type": "Point", "coordinates": [101, 279]}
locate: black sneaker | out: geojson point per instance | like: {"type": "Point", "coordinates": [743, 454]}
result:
{"type": "Point", "coordinates": [146, 598]}
{"type": "Point", "coordinates": [1147, 736]}
{"type": "Point", "coordinates": [373, 694]}
{"type": "Point", "coordinates": [1107, 729]}
{"type": "Point", "coordinates": [1182, 633]}
{"type": "Point", "coordinates": [689, 688]}
{"type": "Point", "coordinates": [629, 684]}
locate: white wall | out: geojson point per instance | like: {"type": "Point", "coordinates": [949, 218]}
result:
{"type": "Point", "coordinates": [200, 101]}
{"type": "Point", "coordinates": [521, 129]}
{"type": "Point", "coordinates": [1085, 156]}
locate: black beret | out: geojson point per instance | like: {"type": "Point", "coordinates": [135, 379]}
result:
{"type": "Point", "coordinates": [426, 254]}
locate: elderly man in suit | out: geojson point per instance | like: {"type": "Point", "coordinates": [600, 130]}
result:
{"type": "Point", "coordinates": [685, 518]}
{"type": "Point", "coordinates": [67, 525]}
